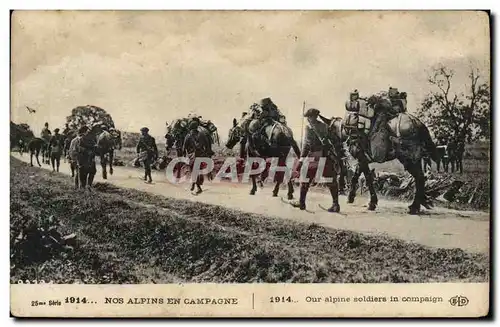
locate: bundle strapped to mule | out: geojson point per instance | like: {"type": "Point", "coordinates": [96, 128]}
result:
{"type": "Point", "coordinates": [359, 115]}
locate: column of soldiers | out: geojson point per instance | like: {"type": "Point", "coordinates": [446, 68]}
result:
{"type": "Point", "coordinates": [317, 138]}
{"type": "Point", "coordinates": [53, 146]}
{"type": "Point", "coordinates": [82, 152]}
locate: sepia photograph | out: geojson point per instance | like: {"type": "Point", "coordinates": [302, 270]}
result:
{"type": "Point", "coordinates": [280, 152]}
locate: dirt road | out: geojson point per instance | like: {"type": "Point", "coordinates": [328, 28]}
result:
{"type": "Point", "coordinates": [440, 227]}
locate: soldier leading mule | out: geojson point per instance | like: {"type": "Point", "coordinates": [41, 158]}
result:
{"type": "Point", "coordinates": [404, 138]}
{"type": "Point", "coordinates": [272, 141]}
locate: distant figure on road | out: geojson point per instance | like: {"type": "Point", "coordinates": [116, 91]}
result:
{"type": "Point", "coordinates": [45, 135]}
{"type": "Point", "coordinates": [148, 152]}
{"type": "Point", "coordinates": [56, 146]}
{"type": "Point", "coordinates": [22, 146]}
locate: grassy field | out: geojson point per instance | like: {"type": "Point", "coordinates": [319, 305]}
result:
{"type": "Point", "coordinates": [128, 236]}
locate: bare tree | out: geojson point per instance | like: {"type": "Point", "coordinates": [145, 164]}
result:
{"type": "Point", "coordinates": [452, 117]}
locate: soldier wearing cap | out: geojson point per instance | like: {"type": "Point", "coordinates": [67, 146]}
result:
{"type": "Point", "coordinates": [147, 148]}
{"type": "Point", "coordinates": [66, 130]}
{"type": "Point", "coordinates": [317, 143]}
{"type": "Point", "coordinates": [197, 121]}
{"type": "Point", "coordinates": [192, 135]}
{"type": "Point", "coordinates": [45, 134]}
{"type": "Point", "coordinates": [193, 147]}
{"type": "Point", "coordinates": [56, 145]}
{"type": "Point", "coordinates": [117, 136]}
{"type": "Point", "coordinates": [88, 147]}
{"type": "Point", "coordinates": [73, 150]}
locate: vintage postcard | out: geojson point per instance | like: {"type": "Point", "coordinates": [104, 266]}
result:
{"type": "Point", "coordinates": [250, 163]}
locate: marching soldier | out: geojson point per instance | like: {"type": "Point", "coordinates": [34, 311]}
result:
{"type": "Point", "coordinates": [317, 144]}
{"type": "Point", "coordinates": [194, 147]}
{"type": "Point", "coordinates": [190, 142]}
{"type": "Point", "coordinates": [197, 121]}
{"type": "Point", "coordinates": [66, 130]}
{"type": "Point", "coordinates": [117, 137]}
{"type": "Point", "coordinates": [147, 147]}
{"type": "Point", "coordinates": [82, 158]}
{"type": "Point", "coordinates": [56, 145]}
{"type": "Point", "coordinates": [73, 154]}
{"type": "Point", "coordinates": [45, 134]}
{"type": "Point", "coordinates": [21, 145]}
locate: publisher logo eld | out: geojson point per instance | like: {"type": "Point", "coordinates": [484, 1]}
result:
{"type": "Point", "coordinates": [459, 301]}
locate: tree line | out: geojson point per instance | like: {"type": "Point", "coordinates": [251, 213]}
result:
{"type": "Point", "coordinates": [459, 117]}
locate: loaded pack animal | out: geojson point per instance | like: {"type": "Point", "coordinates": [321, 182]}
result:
{"type": "Point", "coordinates": [23, 138]}
{"type": "Point", "coordinates": [35, 146]}
{"type": "Point", "coordinates": [263, 139]}
{"type": "Point", "coordinates": [179, 129]}
{"type": "Point", "coordinates": [379, 129]}
{"type": "Point", "coordinates": [107, 139]}
{"type": "Point", "coordinates": [20, 135]}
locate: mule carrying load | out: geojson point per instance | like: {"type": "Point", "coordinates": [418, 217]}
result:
{"type": "Point", "coordinates": [360, 120]}
{"type": "Point", "coordinates": [379, 129]}
{"type": "Point", "coordinates": [178, 129]}
{"type": "Point", "coordinates": [262, 132]}
{"type": "Point", "coordinates": [256, 119]}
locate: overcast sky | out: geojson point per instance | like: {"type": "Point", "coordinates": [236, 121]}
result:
{"type": "Point", "coordinates": [146, 68]}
